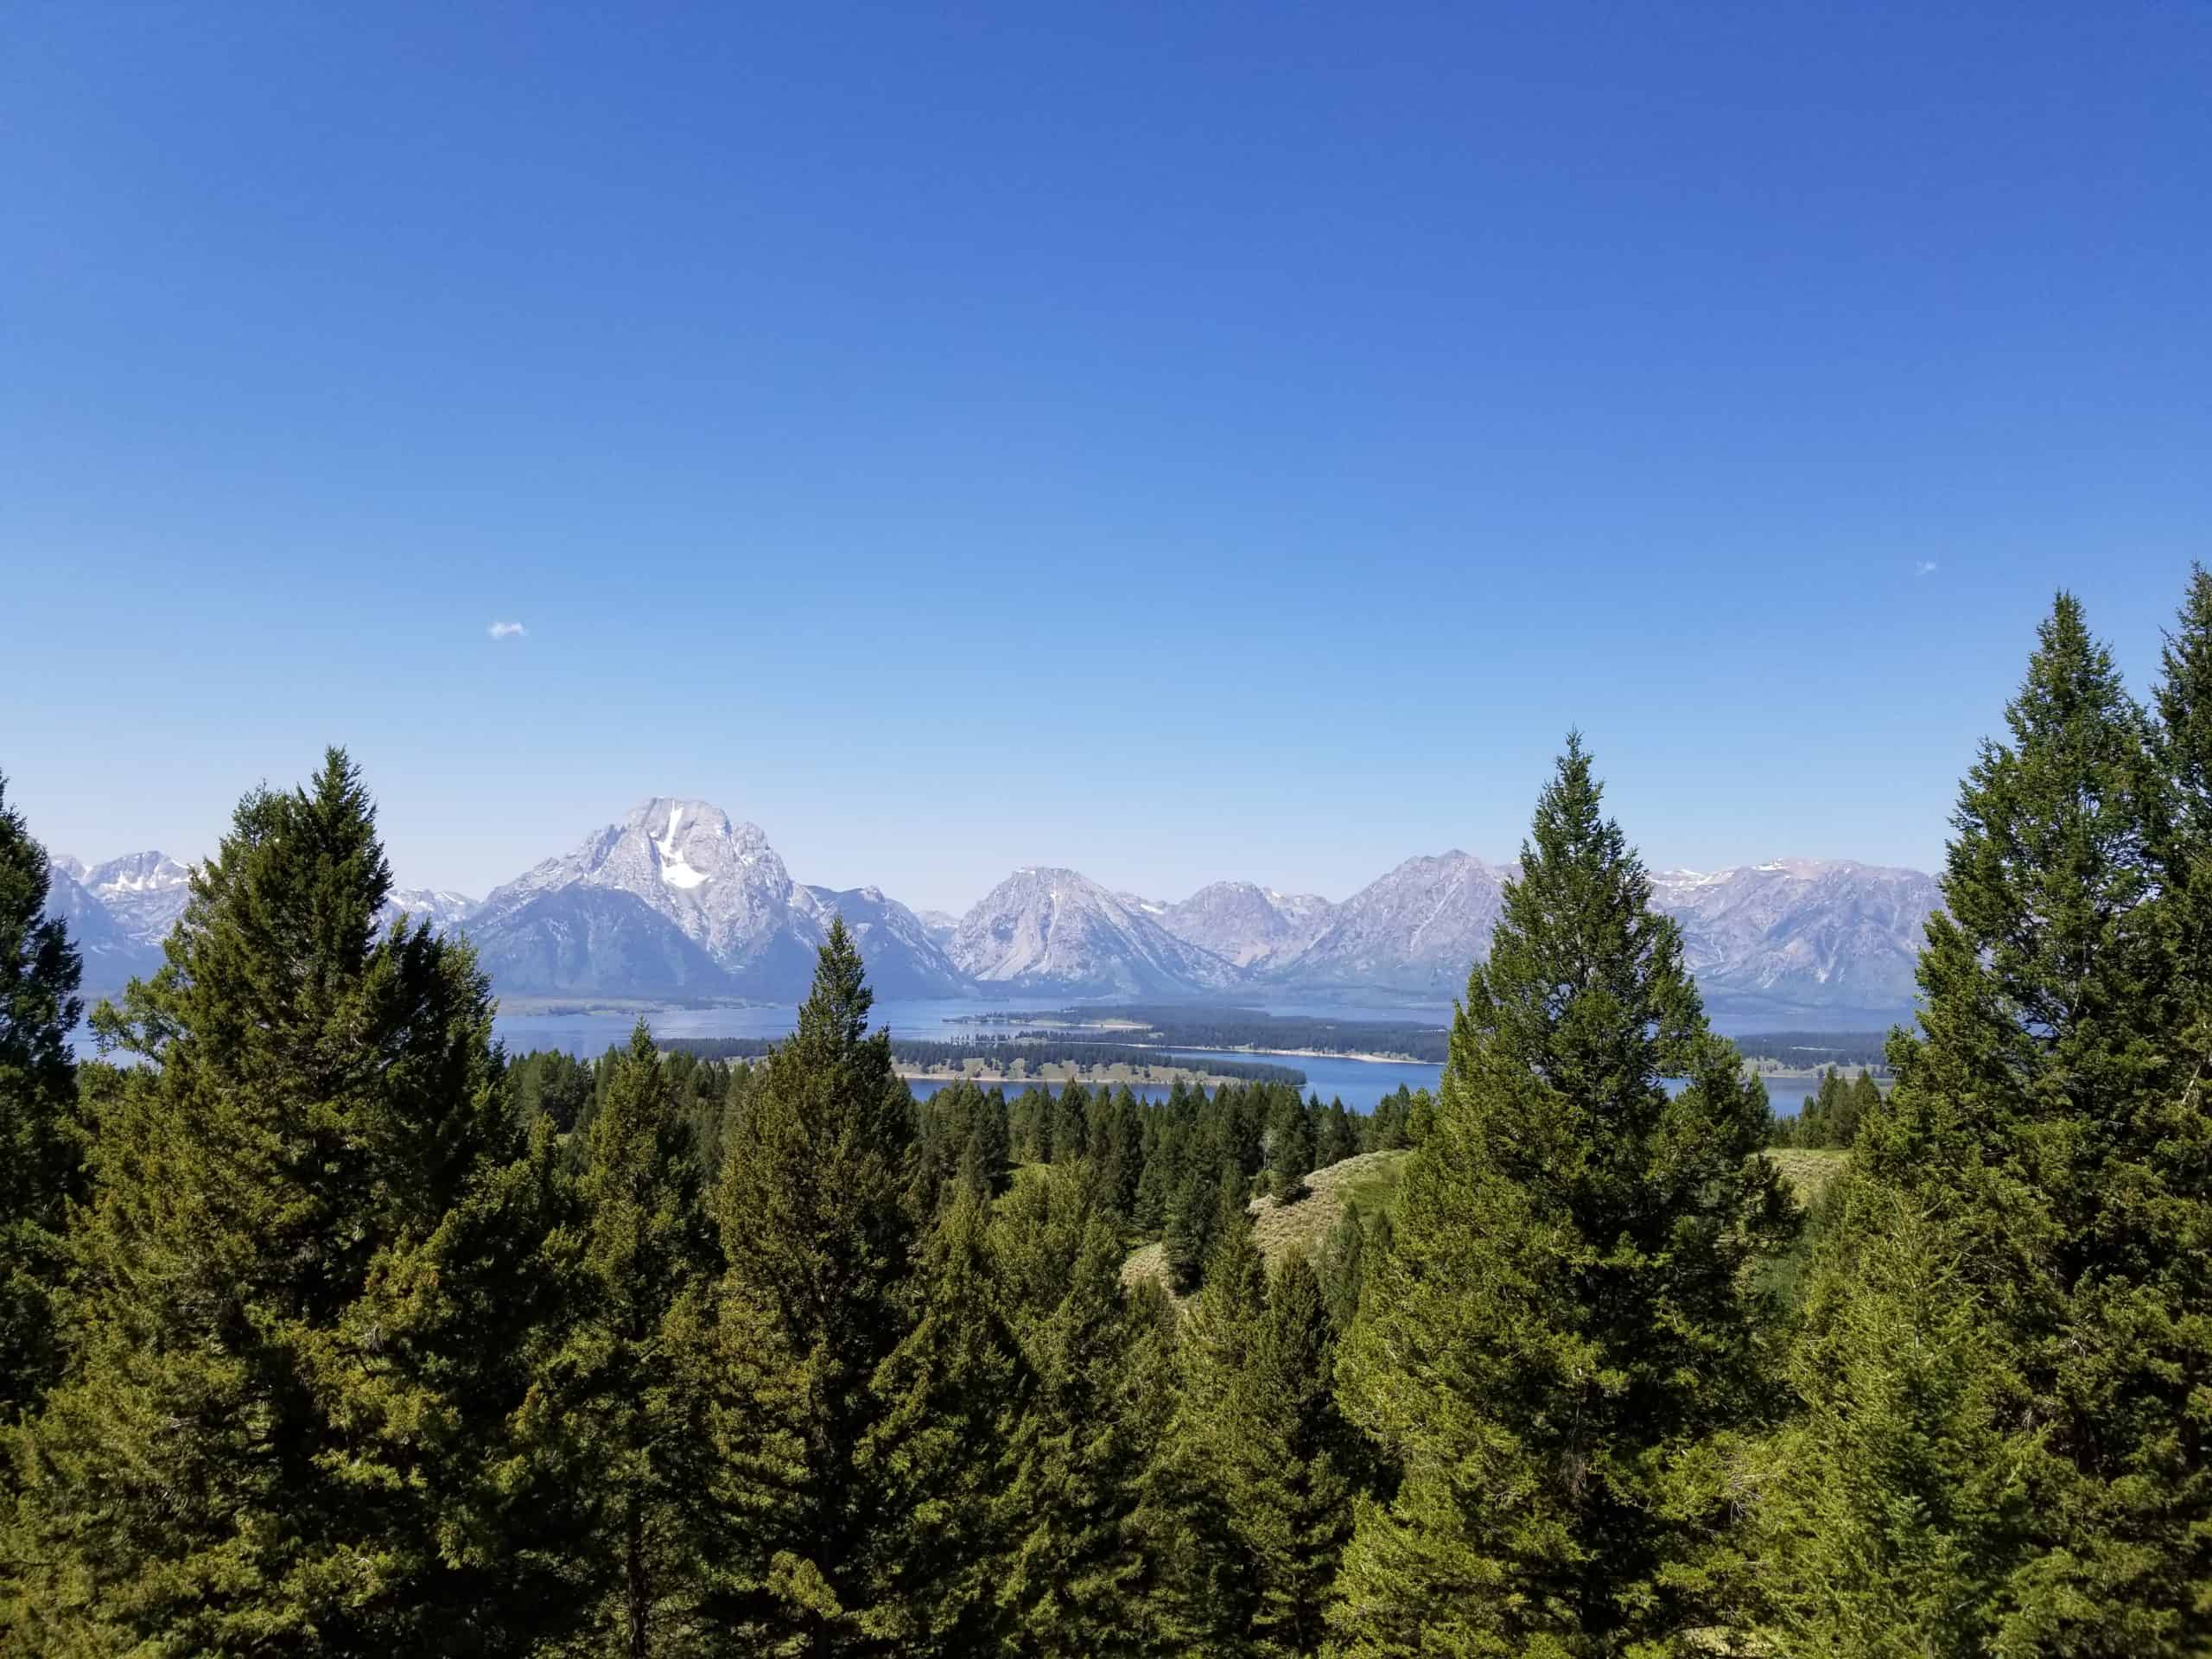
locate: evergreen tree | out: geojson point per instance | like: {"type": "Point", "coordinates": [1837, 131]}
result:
{"type": "Point", "coordinates": [1070, 1123]}
{"type": "Point", "coordinates": [39, 1151]}
{"type": "Point", "coordinates": [1290, 1147]}
{"type": "Point", "coordinates": [2047, 1141]}
{"type": "Point", "coordinates": [940, 1455]}
{"type": "Point", "coordinates": [1863, 1098]}
{"type": "Point", "coordinates": [1191, 1217]}
{"type": "Point", "coordinates": [1336, 1138]}
{"type": "Point", "coordinates": [1073, 1579]}
{"type": "Point", "coordinates": [1343, 1266]}
{"type": "Point", "coordinates": [1562, 1327]}
{"type": "Point", "coordinates": [1295, 1505]}
{"type": "Point", "coordinates": [818, 1233]}
{"type": "Point", "coordinates": [2184, 750]}
{"type": "Point", "coordinates": [608, 1402]}
{"type": "Point", "coordinates": [1117, 1151]}
{"type": "Point", "coordinates": [1208, 1596]}
{"type": "Point", "coordinates": [300, 1287]}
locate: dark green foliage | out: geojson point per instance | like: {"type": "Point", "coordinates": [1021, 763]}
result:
{"type": "Point", "coordinates": [302, 1284]}
{"type": "Point", "coordinates": [962, 1127]}
{"type": "Point", "coordinates": [941, 1455]}
{"type": "Point", "coordinates": [1290, 1147]}
{"type": "Point", "coordinates": [1561, 1330]}
{"type": "Point", "coordinates": [1343, 1269]}
{"type": "Point", "coordinates": [1248, 1501]}
{"type": "Point", "coordinates": [1296, 1503]}
{"type": "Point", "coordinates": [553, 1085]}
{"type": "Point", "coordinates": [1189, 1229]}
{"type": "Point", "coordinates": [1385, 1128]}
{"type": "Point", "coordinates": [815, 1206]}
{"type": "Point", "coordinates": [1073, 1581]}
{"type": "Point", "coordinates": [2184, 748]}
{"type": "Point", "coordinates": [1117, 1150]}
{"type": "Point", "coordinates": [2044, 1168]}
{"type": "Point", "coordinates": [1830, 1116]}
{"type": "Point", "coordinates": [1070, 1124]}
{"type": "Point", "coordinates": [1336, 1137]}
{"type": "Point", "coordinates": [40, 1150]}
{"type": "Point", "coordinates": [608, 1408]}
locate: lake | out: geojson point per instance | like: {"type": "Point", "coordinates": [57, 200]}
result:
{"type": "Point", "coordinates": [1358, 1084]}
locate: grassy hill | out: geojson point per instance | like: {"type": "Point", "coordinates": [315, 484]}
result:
{"type": "Point", "coordinates": [1371, 1182]}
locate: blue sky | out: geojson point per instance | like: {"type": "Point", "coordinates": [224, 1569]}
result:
{"type": "Point", "coordinates": [1176, 442]}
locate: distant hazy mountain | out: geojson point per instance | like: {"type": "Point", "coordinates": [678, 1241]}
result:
{"type": "Point", "coordinates": [700, 882]}
{"type": "Point", "coordinates": [1802, 936]}
{"type": "Point", "coordinates": [1413, 932]}
{"type": "Point", "coordinates": [112, 958]}
{"type": "Point", "coordinates": [904, 956]}
{"type": "Point", "coordinates": [443, 910]}
{"type": "Point", "coordinates": [145, 892]}
{"type": "Point", "coordinates": [1248, 925]}
{"type": "Point", "coordinates": [678, 900]}
{"type": "Point", "coordinates": [1058, 931]}
{"type": "Point", "coordinates": [1811, 939]}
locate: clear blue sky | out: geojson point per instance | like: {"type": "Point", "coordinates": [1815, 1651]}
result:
{"type": "Point", "coordinates": [1177, 442]}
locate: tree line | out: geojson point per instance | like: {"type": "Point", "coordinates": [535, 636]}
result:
{"type": "Point", "coordinates": [1035, 1048]}
{"type": "Point", "coordinates": [326, 1329]}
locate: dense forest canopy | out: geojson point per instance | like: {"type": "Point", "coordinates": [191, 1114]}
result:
{"type": "Point", "coordinates": [329, 1328]}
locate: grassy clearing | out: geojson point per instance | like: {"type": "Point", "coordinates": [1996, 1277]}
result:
{"type": "Point", "coordinates": [1371, 1182]}
{"type": "Point", "coordinates": [1808, 1172]}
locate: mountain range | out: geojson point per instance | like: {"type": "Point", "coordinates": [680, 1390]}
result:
{"type": "Point", "coordinates": [678, 900]}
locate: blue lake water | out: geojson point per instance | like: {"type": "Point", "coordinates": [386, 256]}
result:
{"type": "Point", "coordinates": [1358, 1084]}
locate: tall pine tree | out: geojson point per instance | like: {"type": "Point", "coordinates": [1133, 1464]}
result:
{"type": "Point", "coordinates": [298, 1286]}
{"type": "Point", "coordinates": [817, 1226]}
{"type": "Point", "coordinates": [39, 1149]}
{"type": "Point", "coordinates": [610, 1400]}
{"type": "Point", "coordinates": [1561, 1326]}
{"type": "Point", "coordinates": [2049, 1143]}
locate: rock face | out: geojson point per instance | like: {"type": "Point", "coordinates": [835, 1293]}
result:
{"type": "Point", "coordinates": [595, 940]}
{"type": "Point", "coordinates": [111, 957]}
{"type": "Point", "coordinates": [904, 958]}
{"type": "Point", "coordinates": [1058, 931]}
{"type": "Point", "coordinates": [679, 900]}
{"type": "Point", "coordinates": [444, 910]}
{"type": "Point", "coordinates": [1802, 938]}
{"type": "Point", "coordinates": [696, 877]}
{"type": "Point", "coordinates": [1414, 932]}
{"type": "Point", "coordinates": [1248, 925]}
{"type": "Point", "coordinates": [145, 892]}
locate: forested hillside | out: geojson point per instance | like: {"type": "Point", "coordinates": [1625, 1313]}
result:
{"type": "Point", "coordinates": [329, 1328]}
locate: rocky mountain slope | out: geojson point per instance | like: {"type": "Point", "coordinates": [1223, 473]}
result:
{"type": "Point", "coordinates": [145, 892]}
{"type": "Point", "coordinates": [1248, 925]}
{"type": "Point", "coordinates": [1413, 932]}
{"type": "Point", "coordinates": [677, 899]}
{"type": "Point", "coordinates": [1801, 935]}
{"type": "Point", "coordinates": [699, 880]}
{"type": "Point", "coordinates": [1058, 931]}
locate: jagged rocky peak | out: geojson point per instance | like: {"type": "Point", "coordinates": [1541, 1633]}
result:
{"type": "Point", "coordinates": [444, 909]}
{"type": "Point", "coordinates": [145, 892]}
{"type": "Point", "coordinates": [1248, 924]}
{"type": "Point", "coordinates": [1415, 930]}
{"type": "Point", "coordinates": [1052, 928]}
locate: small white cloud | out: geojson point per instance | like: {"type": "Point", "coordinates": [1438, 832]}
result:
{"type": "Point", "coordinates": [1925, 568]}
{"type": "Point", "coordinates": [515, 630]}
